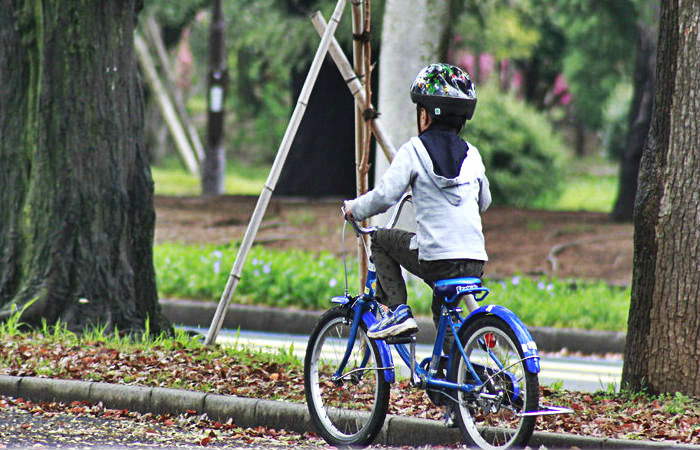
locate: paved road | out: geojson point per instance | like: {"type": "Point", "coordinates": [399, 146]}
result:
{"type": "Point", "coordinates": [67, 426]}
{"type": "Point", "coordinates": [580, 374]}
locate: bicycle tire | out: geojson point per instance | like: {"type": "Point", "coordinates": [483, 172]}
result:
{"type": "Point", "coordinates": [353, 412]}
{"type": "Point", "coordinates": [497, 426]}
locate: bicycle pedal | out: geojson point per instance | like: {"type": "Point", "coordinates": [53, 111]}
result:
{"type": "Point", "coordinates": [393, 340]}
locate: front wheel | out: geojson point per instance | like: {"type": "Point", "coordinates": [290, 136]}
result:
{"type": "Point", "coordinates": [489, 416]}
{"type": "Point", "coordinates": [349, 410]}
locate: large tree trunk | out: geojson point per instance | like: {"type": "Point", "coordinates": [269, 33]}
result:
{"type": "Point", "coordinates": [410, 41]}
{"type": "Point", "coordinates": [663, 346]}
{"type": "Point", "coordinates": [76, 194]}
{"type": "Point", "coordinates": [638, 121]}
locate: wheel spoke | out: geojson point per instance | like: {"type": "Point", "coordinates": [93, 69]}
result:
{"type": "Point", "coordinates": [489, 417]}
{"type": "Point", "coordinates": [351, 409]}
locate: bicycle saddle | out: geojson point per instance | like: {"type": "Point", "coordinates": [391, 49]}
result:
{"type": "Point", "coordinates": [451, 288]}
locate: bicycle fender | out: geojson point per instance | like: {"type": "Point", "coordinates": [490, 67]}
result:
{"type": "Point", "coordinates": [528, 345]}
{"type": "Point", "coordinates": [384, 350]}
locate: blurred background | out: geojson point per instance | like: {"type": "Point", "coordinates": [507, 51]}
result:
{"type": "Point", "coordinates": [564, 88]}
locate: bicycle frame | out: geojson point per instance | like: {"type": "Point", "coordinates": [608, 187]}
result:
{"type": "Point", "coordinates": [364, 308]}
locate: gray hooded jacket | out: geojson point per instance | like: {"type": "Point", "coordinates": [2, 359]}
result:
{"type": "Point", "coordinates": [447, 209]}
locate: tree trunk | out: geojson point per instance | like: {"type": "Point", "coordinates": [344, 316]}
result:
{"type": "Point", "coordinates": [77, 215]}
{"type": "Point", "coordinates": [407, 46]}
{"type": "Point", "coordinates": [638, 122]}
{"type": "Point", "coordinates": [663, 346]}
{"type": "Point", "coordinates": [214, 164]}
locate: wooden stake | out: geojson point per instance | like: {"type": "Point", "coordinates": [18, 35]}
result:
{"type": "Point", "coordinates": [154, 37]}
{"type": "Point", "coordinates": [361, 131]}
{"type": "Point", "coordinates": [367, 56]}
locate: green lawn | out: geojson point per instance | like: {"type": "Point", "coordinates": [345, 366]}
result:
{"type": "Point", "coordinates": [591, 184]}
{"type": "Point", "coordinates": [588, 193]}
{"type": "Point", "coordinates": [171, 179]}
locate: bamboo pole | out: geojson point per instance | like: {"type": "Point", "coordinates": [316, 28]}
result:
{"type": "Point", "coordinates": [361, 182]}
{"type": "Point", "coordinates": [153, 35]}
{"type": "Point", "coordinates": [275, 171]}
{"type": "Point", "coordinates": [356, 88]}
{"type": "Point", "coordinates": [165, 105]}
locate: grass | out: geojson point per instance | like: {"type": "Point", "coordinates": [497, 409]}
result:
{"type": "Point", "coordinates": [171, 179]}
{"type": "Point", "coordinates": [588, 193]}
{"type": "Point", "coordinates": [547, 302]}
{"type": "Point", "coordinates": [305, 280]}
{"type": "Point", "coordinates": [270, 277]}
{"type": "Point", "coordinates": [591, 183]}
{"type": "Point", "coordinates": [96, 337]}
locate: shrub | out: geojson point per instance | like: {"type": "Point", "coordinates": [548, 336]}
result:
{"type": "Point", "coordinates": [521, 152]}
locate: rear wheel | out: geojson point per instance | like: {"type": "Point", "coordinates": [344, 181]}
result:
{"type": "Point", "coordinates": [351, 409]}
{"type": "Point", "coordinates": [489, 418]}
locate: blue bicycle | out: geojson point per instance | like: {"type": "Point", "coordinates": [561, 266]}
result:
{"type": "Point", "coordinates": [488, 382]}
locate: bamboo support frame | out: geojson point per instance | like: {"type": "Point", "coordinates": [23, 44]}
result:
{"type": "Point", "coordinates": [354, 85]}
{"type": "Point", "coordinates": [165, 105]}
{"type": "Point", "coordinates": [273, 177]}
{"type": "Point", "coordinates": [153, 35]}
{"type": "Point", "coordinates": [367, 60]}
{"type": "Point", "coordinates": [367, 133]}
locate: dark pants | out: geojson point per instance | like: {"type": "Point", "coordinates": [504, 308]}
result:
{"type": "Point", "coordinates": [391, 250]}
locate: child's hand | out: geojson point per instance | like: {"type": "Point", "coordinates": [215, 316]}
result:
{"type": "Point", "coordinates": [348, 211]}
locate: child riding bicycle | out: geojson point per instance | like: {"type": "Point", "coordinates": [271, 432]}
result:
{"type": "Point", "coordinates": [450, 190]}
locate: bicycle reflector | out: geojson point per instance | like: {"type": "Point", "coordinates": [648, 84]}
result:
{"type": "Point", "coordinates": [489, 340]}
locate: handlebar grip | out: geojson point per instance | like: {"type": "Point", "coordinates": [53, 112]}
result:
{"type": "Point", "coordinates": [356, 227]}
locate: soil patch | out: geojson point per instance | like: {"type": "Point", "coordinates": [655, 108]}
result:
{"type": "Point", "coordinates": [576, 244]}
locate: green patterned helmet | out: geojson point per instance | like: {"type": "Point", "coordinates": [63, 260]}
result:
{"type": "Point", "coordinates": [443, 89]}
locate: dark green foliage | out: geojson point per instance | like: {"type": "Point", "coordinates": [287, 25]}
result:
{"type": "Point", "coordinates": [600, 51]}
{"type": "Point", "coordinates": [590, 41]}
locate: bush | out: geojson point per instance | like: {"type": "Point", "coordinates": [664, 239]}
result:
{"type": "Point", "coordinates": [521, 152]}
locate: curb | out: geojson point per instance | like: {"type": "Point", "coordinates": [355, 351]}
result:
{"type": "Point", "coordinates": [294, 321]}
{"type": "Point", "coordinates": [249, 412]}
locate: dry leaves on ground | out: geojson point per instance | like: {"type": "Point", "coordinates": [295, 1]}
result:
{"type": "Point", "coordinates": [251, 374]}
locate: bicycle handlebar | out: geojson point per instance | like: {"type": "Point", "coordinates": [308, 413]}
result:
{"type": "Point", "coordinates": [359, 230]}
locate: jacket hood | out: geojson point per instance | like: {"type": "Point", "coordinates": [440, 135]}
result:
{"type": "Point", "coordinates": [442, 160]}
{"type": "Point", "coordinates": [446, 150]}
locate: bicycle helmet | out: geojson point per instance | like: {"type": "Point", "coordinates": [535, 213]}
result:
{"type": "Point", "coordinates": [443, 89]}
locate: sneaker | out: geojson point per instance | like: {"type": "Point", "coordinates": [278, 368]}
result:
{"type": "Point", "coordinates": [400, 321]}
